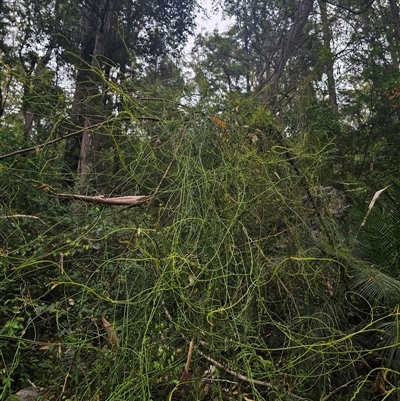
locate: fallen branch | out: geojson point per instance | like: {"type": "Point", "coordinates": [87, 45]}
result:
{"type": "Point", "coordinates": [249, 379]}
{"type": "Point", "coordinates": [239, 375]}
{"type": "Point", "coordinates": [120, 200]}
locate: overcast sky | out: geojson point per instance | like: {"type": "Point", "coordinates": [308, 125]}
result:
{"type": "Point", "coordinates": [207, 23]}
{"type": "Point", "coordinates": [214, 20]}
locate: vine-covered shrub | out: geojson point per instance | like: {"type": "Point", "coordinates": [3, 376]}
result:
{"type": "Point", "coordinates": [232, 281]}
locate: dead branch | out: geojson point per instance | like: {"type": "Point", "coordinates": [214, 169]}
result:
{"type": "Point", "coordinates": [239, 376]}
{"type": "Point", "coordinates": [36, 148]}
{"type": "Point", "coordinates": [120, 200]}
{"type": "Point", "coordinates": [248, 379]}
{"type": "Point", "coordinates": [340, 387]}
{"type": "Point", "coordinates": [28, 216]}
{"type": "Point", "coordinates": [185, 373]}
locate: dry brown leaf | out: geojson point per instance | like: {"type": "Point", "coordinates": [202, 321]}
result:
{"type": "Point", "coordinates": [221, 123]}
{"type": "Point", "coordinates": [379, 387]}
{"type": "Point", "coordinates": [371, 204]}
{"type": "Point", "coordinates": [111, 334]}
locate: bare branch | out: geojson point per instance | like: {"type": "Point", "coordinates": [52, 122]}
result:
{"type": "Point", "coordinates": [38, 147]}
{"type": "Point", "coordinates": [339, 388]}
{"type": "Point", "coordinates": [120, 200]}
{"type": "Point", "coordinates": [185, 373]}
{"type": "Point", "coordinates": [22, 215]}
{"type": "Point", "coordinates": [366, 5]}
{"type": "Point", "coordinates": [247, 379]}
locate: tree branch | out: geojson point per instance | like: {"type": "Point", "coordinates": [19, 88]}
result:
{"type": "Point", "coordinates": [120, 200]}
{"type": "Point", "coordinates": [37, 147]}
{"type": "Point", "coordinates": [367, 4]}
{"type": "Point", "coordinates": [20, 215]}
{"type": "Point", "coordinates": [339, 388]}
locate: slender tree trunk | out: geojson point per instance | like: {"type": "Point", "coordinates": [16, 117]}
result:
{"type": "Point", "coordinates": [394, 9]}
{"type": "Point", "coordinates": [33, 72]}
{"type": "Point", "coordinates": [27, 111]}
{"type": "Point", "coordinates": [395, 17]}
{"type": "Point", "coordinates": [72, 148]}
{"type": "Point", "coordinates": [327, 57]}
{"type": "Point", "coordinates": [82, 153]}
{"type": "Point", "coordinates": [91, 141]}
{"type": "Point", "coordinates": [293, 40]}
{"type": "Point", "coordinates": [28, 121]}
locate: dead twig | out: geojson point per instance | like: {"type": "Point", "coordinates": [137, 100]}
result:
{"type": "Point", "coordinates": [36, 148]}
{"type": "Point", "coordinates": [185, 373]}
{"type": "Point", "coordinates": [337, 389]}
{"type": "Point", "coordinates": [23, 215]}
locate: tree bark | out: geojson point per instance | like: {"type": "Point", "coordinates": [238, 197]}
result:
{"type": "Point", "coordinates": [395, 17]}
{"type": "Point", "coordinates": [81, 153]}
{"type": "Point", "coordinates": [327, 57]}
{"type": "Point", "coordinates": [72, 148]}
{"type": "Point", "coordinates": [396, 22]}
{"type": "Point", "coordinates": [91, 141]}
{"type": "Point", "coordinates": [32, 72]}
{"type": "Point", "coordinates": [292, 41]}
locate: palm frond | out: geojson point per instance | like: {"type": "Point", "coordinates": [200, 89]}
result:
{"type": "Point", "coordinates": [378, 236]}
{"type": "Point", "coordinates": [389, 339]}
{"type": "Point", "coordinates": [375, 286]}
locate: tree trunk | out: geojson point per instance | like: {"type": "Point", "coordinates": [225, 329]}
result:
{"type": "Point", "coordinates": [81, 153]}
{"type": "Point", "coordinates": [32, 72]}
{"type": "Point", "coordinates": [292, 41]}
{"type": "Point", "coordinates": [73, 144]}
{"type": "Point", "coordinates": [395, 17]}
{"type": "Point", "coordinates": [91, 141]}
{"type": "Point", "coordinates": [327, 57]}
{"type": "Point", "coordinates": [396, 22]}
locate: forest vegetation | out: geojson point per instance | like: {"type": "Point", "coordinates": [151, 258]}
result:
{"type": "Point", "coordinates": [223, 225]}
